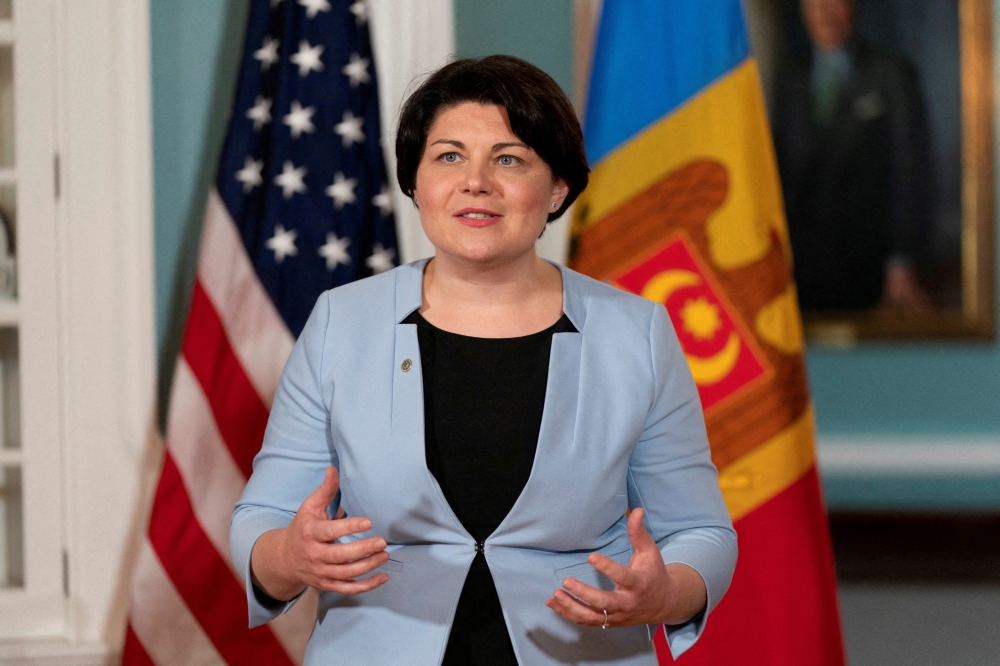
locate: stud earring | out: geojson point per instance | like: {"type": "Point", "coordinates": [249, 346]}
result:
{"type": "Point", "coordinates": [555, 205]}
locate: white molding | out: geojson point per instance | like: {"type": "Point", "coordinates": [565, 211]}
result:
{"type": "Point", "coordinates": [7, 32]}
{"type": "Point", "coordinates": [9, 312]}
{"type": "Point", "coordinates": [554, 243]}
{"type": "Point", "coordinates": [409, 38]}
{"type": "Point", "coordinates": [53, 653]}
{"type": "Point", "coordinates": [37, 609]}
{"type": "Point", "coordinates": [107, 339]}
{"type": "Point", "coordinates": [944, 455]}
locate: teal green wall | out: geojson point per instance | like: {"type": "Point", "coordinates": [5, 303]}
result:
{"type": "Point", "coordinates": [913, 493]}
{"type": "Point", "coordinates": [539, 32]}
{"type": "Point", "coordinates": [921, 389]}
{"type": "Point", "coordinates": [195, 46]}
{"type": "Point", "coordinates": [907, 388]}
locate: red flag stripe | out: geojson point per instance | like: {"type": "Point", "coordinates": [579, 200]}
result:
{"type": "Point", "coordinates": [259, 337]}
{"type": "Point", "coordinates": [213, 481]}
{"type": "Point", "coordinates": [785, 574]}
{"type": "Point", "coordinates": [214, 485]}
{"type": "Point", "coordinates": [239, 413]}
{"type": "Point", "coordinates": [134, 654]}
{"type": "Point", "coordinates": [159, 616]}
{"type": "Point", "coordinates": [190, 559]}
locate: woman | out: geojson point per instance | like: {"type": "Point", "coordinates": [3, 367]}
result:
{"type": "Point", "coordinates": [483, 420]}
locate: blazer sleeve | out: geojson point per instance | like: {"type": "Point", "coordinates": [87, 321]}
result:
{"type": "Point", "coordinates": [671, 476]}
{"type": "Point", "coordinates": [292, 462]}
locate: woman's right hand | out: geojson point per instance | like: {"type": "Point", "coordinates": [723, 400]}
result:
{"type": "Point", "coordinates": [285, 561]}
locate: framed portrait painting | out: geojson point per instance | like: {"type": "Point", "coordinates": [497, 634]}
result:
{"type": "Point", "coordinates": [882, 117]}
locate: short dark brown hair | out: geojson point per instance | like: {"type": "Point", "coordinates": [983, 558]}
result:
{"type": "Point", "coordinates": [540, 115]}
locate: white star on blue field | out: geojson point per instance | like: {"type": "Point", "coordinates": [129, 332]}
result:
{"type": "Point", "coordinates": [302, 171]}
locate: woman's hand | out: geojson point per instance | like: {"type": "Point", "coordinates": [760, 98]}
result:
{"type": "Point", "coordinates": [285, 561]}
{"type": "Point", "coordinates": [646, 591]}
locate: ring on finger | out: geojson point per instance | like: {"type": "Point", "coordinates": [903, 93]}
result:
{"type": "Point", "coordinates": [605, 625]}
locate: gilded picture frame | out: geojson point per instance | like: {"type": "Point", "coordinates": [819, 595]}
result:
{"type": "Point", "coordinates": [975, 319]}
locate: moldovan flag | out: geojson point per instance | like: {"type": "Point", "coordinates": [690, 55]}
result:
{"type": "Point", "coordinates": [684, 207]}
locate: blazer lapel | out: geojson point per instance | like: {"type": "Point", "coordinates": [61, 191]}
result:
{"type": "Point", "coordinates": [556, 435]}
{"type": "Point", "coordinates": [407, 388]}
{"type": "Point", "coordinates": [407, 431]}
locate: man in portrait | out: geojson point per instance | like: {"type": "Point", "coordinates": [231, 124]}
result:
{"type": "Point", "coordinates": [851, 140]}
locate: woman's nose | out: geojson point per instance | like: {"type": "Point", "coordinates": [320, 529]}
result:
{"type": "Point", "coordinates": [478, 178]}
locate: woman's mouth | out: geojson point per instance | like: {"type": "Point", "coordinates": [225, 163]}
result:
{"type": "Point", "coordinates": [477, 217]}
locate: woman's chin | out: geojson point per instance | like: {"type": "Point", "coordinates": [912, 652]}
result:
{"type": "Point", "coordinates": [482, 253]}
{"type": "Point", "coordinates": [477, 257]}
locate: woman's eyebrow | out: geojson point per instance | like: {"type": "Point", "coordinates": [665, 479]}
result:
{"type": "Point", "coordinates": [496, 146]}
{"type": "Point", "coordinates": [512, 144]}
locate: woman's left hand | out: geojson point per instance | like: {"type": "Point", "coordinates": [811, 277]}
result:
{"type": "Point", "coordinates": [647, 591]}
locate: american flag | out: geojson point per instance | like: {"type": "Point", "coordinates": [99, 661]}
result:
{"type": "Point", "coordinates": [300, 205]}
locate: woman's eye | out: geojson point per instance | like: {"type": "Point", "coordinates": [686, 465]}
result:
{"type": "Point", "coordinates": [508, 160]}
{"type": "Point", "coordinates": [450, 158]}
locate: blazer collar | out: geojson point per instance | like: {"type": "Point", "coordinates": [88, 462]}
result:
{"type": "Point", "coordinates": [409, 288]}
{"type": "Point", "coordinates": [576, 288]}
{"type": "Point", "coordinates": [409, 292]}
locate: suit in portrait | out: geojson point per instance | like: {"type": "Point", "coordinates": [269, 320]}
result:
{"type": "Point", "coordinates": [852, 149]}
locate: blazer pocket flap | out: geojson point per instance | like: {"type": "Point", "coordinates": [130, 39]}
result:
{"type": "Point", "coordinates": [392, 566]}
{"type": "Point", "coordinates": [588, 575]}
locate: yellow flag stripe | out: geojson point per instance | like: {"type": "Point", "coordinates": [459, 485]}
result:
{"type": "Point", "coordinates": [726, 122]}
{"type": "Point", "coordinates": [773, 466]}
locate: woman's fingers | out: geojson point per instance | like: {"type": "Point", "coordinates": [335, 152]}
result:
{"type": "Point", "coordinates": [314, 555]}
{"type": "Point", "coordinates": [632, 584]}
{"type": "Point", "coordinates": [316, 504]}
{"type": "Point", "coordinates": [356, 568]}
{"type": "Point", "coordinates": [331, 530]}
{"type": "Point", "coordinates": [342, 553]}
{"type": "Point", "coordinates": [575, 610]}
{"type": "Point", "coordinates": [591, 595]}
{"type": "Point", "coordinates": [637, 534]}
{"type": "Point", "coordinates": [619, 573]}
{"type": "Point", "coordinates": [355, 586]}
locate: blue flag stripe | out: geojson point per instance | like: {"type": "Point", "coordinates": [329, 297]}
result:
{"type": "Point", "coordinates": [630, 89]}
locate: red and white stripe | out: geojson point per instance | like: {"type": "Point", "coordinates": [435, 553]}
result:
{"type": "Point", "coordinates": [188, 602]}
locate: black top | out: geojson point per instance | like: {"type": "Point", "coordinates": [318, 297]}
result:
{"type": "Point", "coordinates": [483, 402]}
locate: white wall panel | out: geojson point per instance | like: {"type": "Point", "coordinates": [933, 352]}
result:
{"type": "Point", "coordinates": [410, 38]}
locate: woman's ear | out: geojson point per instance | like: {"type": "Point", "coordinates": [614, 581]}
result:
{"type": "Point", "coordinates": [560, 190]}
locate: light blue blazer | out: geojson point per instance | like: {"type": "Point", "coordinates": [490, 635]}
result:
{"type": "Point", "coordinates": [622, 426]}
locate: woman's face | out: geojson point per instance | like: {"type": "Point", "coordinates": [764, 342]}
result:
{"type": "Point", "coordinates": [483, 194]}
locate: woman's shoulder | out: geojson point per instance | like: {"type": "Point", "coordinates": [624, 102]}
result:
{"type": "Point", "coordinates": [603, 299]}
{"type": "Point", "coordinates": [374, 300]}
{"type": "Point", "coordinates": [380, 285]}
